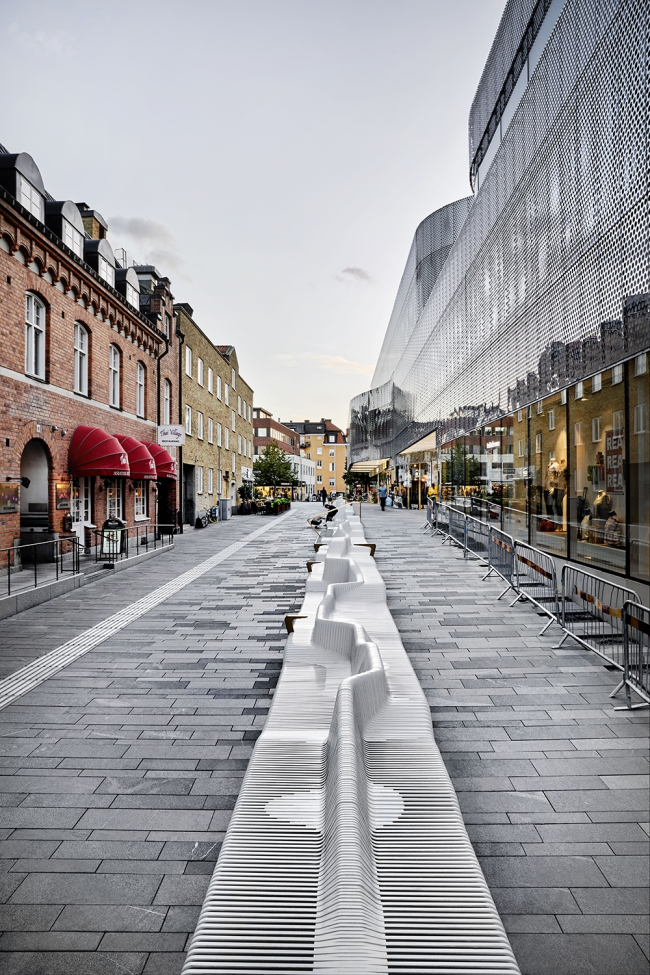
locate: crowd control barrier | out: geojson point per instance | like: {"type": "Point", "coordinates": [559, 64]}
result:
{"type": "Point", "coordinates": [636, 653]}
{"type": "Point", "coordinates": [501, 557]}
{"type": "Point", "coordinates": [457, 528]}
{"type": "Point", "coordinates": [347, 851]}
{"type": "Point", "coordinates": [592, 613]}
{"type": "Point", "coordinates": [535, 580]}
{"type": "Point", "coordinates": [477, 535]}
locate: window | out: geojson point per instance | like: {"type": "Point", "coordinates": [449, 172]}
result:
{"type": "Point", "coordinates": [106, 271]}
{"type": "Point", "coordinates": [597, 383]}
{"type": "Point", "coordinates": [244, 408]}
{"type": "Point", "coordinates": [617, 374]}
{"type": "Point", "coordinates": [210, 433]}
{"type": "Point", "coordinates": [232, 377]}
{"type": "Point", "coordinates": [80, 359]}
{"type": "Point", "coordinates": [640, 418]}
{"type": "Point", "coordinates": [596, 435]}
{"type": "Point", "coordinates": [618, 425]}
{"type": "Point", "coordinates": [199, 371]}
{"type": "Point", "coordinates": [233, 419]}
{"type": "Point", "coordinates": [529, 412]}
{"type": "Point", "coordinates": [188, 420]}
{"type": "Point", "coordinates": [332, 453]}
{"type": "Point", "coordinates": [520, 415]}
{"type": "Point", "coordinates": [538, 443]}
{"type": "Point", "coordinates": [167, 401]}
{"type": "Point", "coordinates": [332, 482]}
{"type": "Point", "coordinates": [114, 376]}
{"type": "Point", "coordinates": [520, 448]}
{"type": "Point", "coordinates": [188, 361]}
{"type": "Point", "coordinates": [226, 438]}
{"type": "Point", "coordinates": [167, 319]}
{"type": "Point", "coordinates": [73, 239]}
{"type": "Point", "coordinates": [319, 478]}
{"type": "Point", "coordinates": [577, 434]}
{"type": "Point", "coordinates": [226, 394]}
{"type": "Point", "coordinates": [551, 419]}
{"type": "Point", "coordinates": [319, 450]}
{"type": "Point", "coordinates": [332, 467]}
{"type": "Point", "coordinates": [199, 480]}
{"type": "Point", "coordinates": [539, 406]}
{"type": "Point", "coordinates": [34, 337]}
{"type": "Point", "coordinates": [641, 364]}
{"type": "Point", "coordinates": [239, 444]}
{"type": "Point", "coordinates": [141, 497]}
{"type": "Point", "coordinates": [239, 405]}
{"type": "Point", "coordinates": [234, 463]}
{"type": "Point", "coordinates": [319, 465]}
{"type": "Point", "coordinates": [199, 425]}
{"type": "Point", "coordinates": [210, 480]}
{"type": "Point", "coordinates": [218, 434]}
{"type": "Point", "coordinates": [563, 397]}
{"type": "Point", "coordinates": [579, 390]}
{"type": "Point", "coordinates": [210, 380]}
{"type": "Point", "coordinates": [115, 498]}
{"type": "Point", "coordinates": [250, 419]}
{"type": "Point", "coordinates": [218, 387]}
{"type": "Point", "coordinates": [133, 298]}
{"type": "Point", "coordinates": [139, 389]}
{"type": "Point", "coordinates": [30, 198]}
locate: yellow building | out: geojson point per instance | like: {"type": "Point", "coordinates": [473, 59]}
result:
{"type": "Point", "coordinates": [326, 444]}
{"type": "Point", "coordinates": [218, 411]}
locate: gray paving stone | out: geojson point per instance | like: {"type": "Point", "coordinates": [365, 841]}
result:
{"type": "Point", "coordinates": [85, 889]}
{"type": "Point", "coordinates": [84, 917]}
{"type": "Point", "coordinates": [26, 917]}
{"type": "Point", "coordinates": [71, 963]}
{"type": "Point", "coordinates": [49, 941]}
{"type": "Point", "coordinates": [579, 954]}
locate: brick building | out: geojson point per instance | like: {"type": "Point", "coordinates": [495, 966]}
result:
{"type": "Point", "coordinates": [89, 366]}
{"type": "Point", "coordinates": [326, 444]}
{"type": "Point", "coordinates": [267, 430]}
{"type": "Point", "coordinates": [217, 457]}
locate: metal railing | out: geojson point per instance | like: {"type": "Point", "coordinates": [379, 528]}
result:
{"type": "Point", "coordinates": [592, 613]}
{"type": "Point", "coordinates": [38, 563]}
{"type": "Point", "coordinates": [536, 580]}
{"type": "Point", "coordinates": [501, 557]}
{"type": "Point", "coordinates": [115, 544]}
{"type": "Point", "coordinates": [636, 654]}
{"type": "Point", "coordinates": [477, 537]}
{"type": "Point", "coordinates": [457, 528]}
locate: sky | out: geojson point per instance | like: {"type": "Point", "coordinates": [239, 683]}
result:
{"type": "Point", "coordinates": [271, 157]}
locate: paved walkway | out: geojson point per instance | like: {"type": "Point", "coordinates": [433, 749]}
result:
{"type": "Point", "coordinates": [120, 772]}
{"type": "Point", "coordinates": [553, 783]}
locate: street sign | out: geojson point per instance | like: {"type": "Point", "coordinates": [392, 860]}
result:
{"type": "Point", "coordinates": [171, 436]}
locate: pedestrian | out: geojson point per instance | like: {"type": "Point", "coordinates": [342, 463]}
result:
{"type": "Point", "coordinates": [323, 496]}
{"type": "Point", "coordinates": [382, 492]}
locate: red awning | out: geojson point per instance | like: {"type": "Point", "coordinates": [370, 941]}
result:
{"type": "Point", "coordinates": [95, 452]}
{"type": "Point", "coordinates": [142, 464]}
{"type": "Point", "coordinates": [165, 463]}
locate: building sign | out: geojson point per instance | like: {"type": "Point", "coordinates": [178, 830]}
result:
{"type": "Point", "coordinates": [614, 462]}
{"type": "Point", "coordinates": [9, 497]}
{"type": "Point", "coordinates": [171, 436]}
{"type": "Point", "coordinates": [63, 495]}
{"type": "Point", "coordinates": [247, 473]}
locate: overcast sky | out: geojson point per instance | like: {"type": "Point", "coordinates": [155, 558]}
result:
{"type": "Point", "coordinates": [272, 157]}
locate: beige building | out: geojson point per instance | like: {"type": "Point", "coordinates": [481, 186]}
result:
{"type": "Point", "coordinates": [326, 444]}
{"type": "Point", "coordinates": [218, 411]}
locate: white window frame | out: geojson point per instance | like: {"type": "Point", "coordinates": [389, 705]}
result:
{"type": "Point", "coordinates": [332, 468]}
{"type": "Point", "coordinates": [210, 430]}
{"type": "Point", "coordinates": [226, 394]}
{"type": "Point", "coordinates": [226, 439]}
{"type": "Point", "coordinates": [579, 390]}
{"type": "Point", "coordinates": [199, 480]}
{"type": "Point", "coordinates": [319, 478]}
{"type": "Point", "coordinates": [239, 405]}
{"type": "Point", "coordinates": [233, 420]}
{"type": "Point", "coordinates": [167, 401]}
{"type": "Point", "coordinates": [551, 419]}
{"type": "Point", "coordinates": [219, 387]}
{"type": "Point", "coordinates": [538, 443]}
{"type": "Point", "coordinates": [640, 417]}
{"type": "Point", "coordinates": [597, 382]}
{"type": "Point", "coordinates": [106, 271]}
{"type": "Point", "coordinates": [115, 498]}
{"type": "Point", "coordinates": [618, 423]}
{"type": "Point", "coordinates": [211, 380]}
{"type": "Point", "coordinates": [319, 465]}
{"type": "Point", "coordinates": [188, 361]}
{"type": "Point", "coordinates": [210, 480]}
{"type": "Point", "coordinates": [35, 322]}
{"type": "Point", "coordinates": [73, 239]}
{"type": "Point", "coordinates": [114, 376]}
{"type": "Point", "coordinates": [133, 298]}
{"type": "Point", "coordinates": [199, 425]}
{"type": "Point", "coordinates": [577, 434]}
{"type": "Point", "coordinates": [233, 377]}
{"type": "Point", "coordinates": [234, 464]}
{"type": "Point", "coordinates": [30, 198]}
{"type": "Point", "coordinates": [332, 482]}
{"type": "Point", "coordinates": [250, 419]}
{"type": "Point", "coordinates": [188, 419]}
{"type": "Point", "coordinates": [199, 370]}
{"type": "Point", "coordinates": [80, 359]}
{"type": "Point", "coordinates": [641, 364]}
{"type": "Point", "coordinates": [140, 381]}
{"type": "Point", "coordinates": [596, 431]}
{"type": "Point", "coordinates": [141, 500]}
{"type": "Point", "coordinates": [617, 374]}
{"type": "Point", "coordinates": [218, 434]}
{"type": "Point", "coordinates": [239, 443]}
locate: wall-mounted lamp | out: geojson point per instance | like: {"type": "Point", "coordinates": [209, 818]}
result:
{"type": "Point", "coordinates": [64, 433]}
{"type": "Point", "coordinates": [25, 481]}
{"type": "Point", "coordinates": [54, 429]}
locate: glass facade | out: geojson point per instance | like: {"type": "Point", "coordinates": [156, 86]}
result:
{"type": "Point", "coordinates": [521, 327]}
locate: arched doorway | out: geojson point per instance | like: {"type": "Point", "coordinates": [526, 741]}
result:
{"type": "Point", "coordinates": [35, 501]}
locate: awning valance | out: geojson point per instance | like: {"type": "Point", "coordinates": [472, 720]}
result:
{"type": "Point", "coordinates": [165, 463]}
{"type": "Point", "coordinates": [142, 464]}
{"type": "Point", "coordinates": [95, 452]}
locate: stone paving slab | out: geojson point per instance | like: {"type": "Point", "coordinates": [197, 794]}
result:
{"type": "Point", "coordinates": [118, 775]}
{"type": "Point", "coordinates": [550, 778]}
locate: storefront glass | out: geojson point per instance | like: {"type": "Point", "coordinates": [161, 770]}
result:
{"type": "Point", "coordinates": [549, 474]}
{"type": "Point", "coordinates": [638, 425]}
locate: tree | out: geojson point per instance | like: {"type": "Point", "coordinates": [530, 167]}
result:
{"type": "Point", "coordinates": [273, 467]}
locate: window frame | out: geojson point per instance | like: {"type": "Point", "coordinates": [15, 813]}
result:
{"type": "Point", "coordinates": [140, 390]}
{"type": "Point", "coordinates": [210, 430]}
{"type": "Point", "coordinates": [199, 425]}
{"type": "Point", "coordinates": [140, 500]}
{"type": "Point", "coordinates": [81, 350]}
{"type": "Point", "coordinates": [188, 419]}
{"type": "Point", "coordinates": [199, 370]}
{"type": "Point", "coordinates": [167, 402]}
{"type": "Point", "coordinates": [35, 336]}
{"type": "Point", "coordinates": [115, 376]}
{"type": "Point", "coordinates": [188, 361]}
{"type": "Point", "coordinates": [199, 479]}
{"type": "Point", "coordinates": [211, 380]}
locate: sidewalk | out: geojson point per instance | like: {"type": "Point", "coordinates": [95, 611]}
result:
{"type": "Point", "coordinates": [119, 773]}
{"type": "Point", "coordinates": [553, 783]}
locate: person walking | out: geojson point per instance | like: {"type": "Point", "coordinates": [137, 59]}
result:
{"type": "Point", "coordinates": [323, 496]}
{"type": "Point", "coordinates": [383, 493]}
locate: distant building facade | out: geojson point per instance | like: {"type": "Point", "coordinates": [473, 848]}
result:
{"type": "Point", "coordinates": [326, 444]}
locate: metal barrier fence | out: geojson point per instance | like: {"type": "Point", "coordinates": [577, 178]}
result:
{"type": "Point", "coordinates": [457, 529]}
{"type": "Point", "coordinates": [636, 653]}
{"type": "Point", "coordinates": [477, 538]}
{"type": "Point", "coordinates": [535, 580]}
{"type": "Point", "coordinates": [442, 520]}
{"type": "Point", "coordinates": [28, 566]}
{"type": "Point", "coordinates": [501, 557]}
{"type": "Point", "coordinates": [115, 544]}
{"type": "Point", "coordinates": [592, 613]}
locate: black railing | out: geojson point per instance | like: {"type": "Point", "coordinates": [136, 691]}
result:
{"type": "Point", "coordinates": [22, 565]}
{"type": "Point", "coordinates": [115, 544]}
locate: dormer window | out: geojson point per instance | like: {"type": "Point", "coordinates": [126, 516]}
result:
{"type": "Point", "coordinates": [106, 271]}
{"type": "Point", "coordinates": [133, 297]}
{"type": "Point", "coordinates": [30, 198]}
{"type": "Point", "coordinates": [72, 238]}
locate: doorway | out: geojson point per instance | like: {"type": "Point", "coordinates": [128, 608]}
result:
{"type": "Point", "coordinates": [188, 494]}
{"type": "Point", "coordinates": [80, 507]}
{"type": "Point", "coordinates": [35, 502]}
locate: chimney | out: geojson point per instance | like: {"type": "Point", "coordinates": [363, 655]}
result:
{"type": "Point", "coordinates": [94, 224]}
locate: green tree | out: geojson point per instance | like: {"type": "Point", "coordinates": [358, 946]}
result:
{"type": "Point", "coordinates": [273, 468]}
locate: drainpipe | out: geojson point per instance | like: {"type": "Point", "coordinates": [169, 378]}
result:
{"type": "Point", "coordinates": [181, 340]}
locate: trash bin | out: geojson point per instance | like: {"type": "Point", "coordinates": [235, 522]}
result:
{"type": "Point", "coordinates": [113, 538]}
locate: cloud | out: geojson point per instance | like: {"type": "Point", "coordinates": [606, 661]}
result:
{"type": "Point", "coordinates": [141, 229]}
{"type": "Point", "coordinates": [34, 40]}
{"type": "Point", "coordinates": [331, 363]}
{"type": "Point", "coordinates": [354, 274]}
{"type": "Point", "coordinates": [155, 239]}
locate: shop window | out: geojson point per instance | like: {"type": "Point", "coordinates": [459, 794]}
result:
{"type": "Point", "coordinates": [141, 499]}
{"type": "Point", "coordinates": [617, 374]}
{"type": "Point", "coordinates": [80, 359]}
{"type": "Point", "coordinates": [139, 388]}
{"type": "Point", "coordinates": [549, 480]}
{"type": "Point", "coordinates": [199, 480]}
{"type": "Point", "coordinates": [597, 382]}
{"type": "Point", "coordinates": [638, 475]}
{"type": "Point", "coordinates": [114, 369]}
{"type": "Point", "coordinates": [115, 498]}
{"type": "Point", "coordinates": [188, 420]}
{"type": "Point", "coordinates": [596, 434]}
{"type": "Point", "coordinates": [34, 337]}
{"type": "Point", "coordinates": [551, 419]}
{"type": "Point", "coordinates": [641, 364]}
{"type": "Point", "coordinates": [167, 401]}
